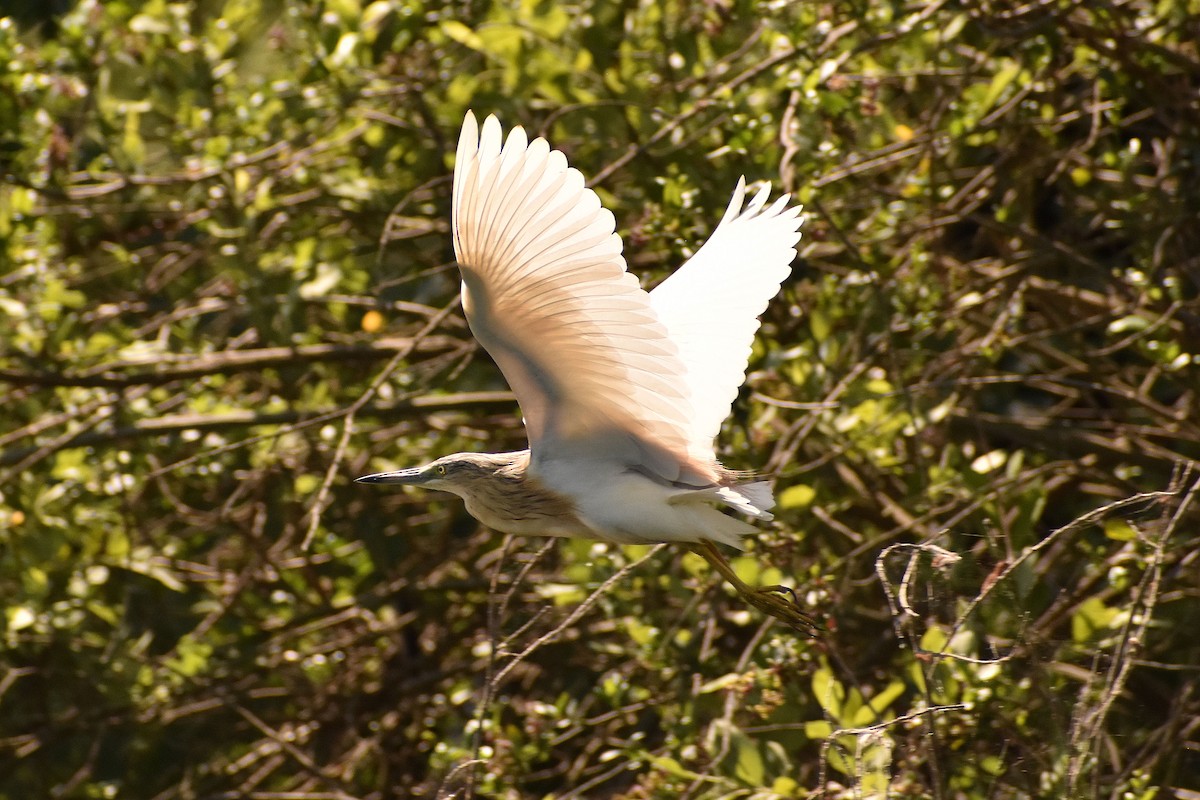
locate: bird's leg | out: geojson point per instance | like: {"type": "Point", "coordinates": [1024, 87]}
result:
{"type": "Point", "coordinates": [777, 601]}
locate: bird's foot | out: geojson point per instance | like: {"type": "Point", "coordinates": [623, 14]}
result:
{"type": "Point", "coordinates": [781, 603]}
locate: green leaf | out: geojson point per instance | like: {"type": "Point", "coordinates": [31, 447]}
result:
{"type": "Point", "coordinates": [875, 709]}
{"type": "Point", "coordinates": [828, 692]}
{"type": "Point", "coordinates": [672, 767]}
{"type": "Point", "coordinates": [749, 767]}
{"type": "Point", "coordinates": [1129, 323]}
{"type": "Point", "coordinates": [798, 496]}
{"type": "Point", "coordinates": [462, 34]}
{"type": "Point", "coordinates": [19, 618]}
{"type": "Point", "coordinates": [1008, 72]}
{"type": "Point", "coordinates": [640, 633]}
{"type": "Point", "coordinates": [723, 682]}
{"type": "Point", "coordinates": [1119, 530]}
{"type": "Point", "coordinates": [818, 729]}
{"type": "Point", "coordinates": [1092, 619]}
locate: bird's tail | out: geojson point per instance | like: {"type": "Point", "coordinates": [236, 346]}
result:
{"type": "Point", "coordinates": [752, 499]}
{"type": "Point", "coordinates": [709, 523]}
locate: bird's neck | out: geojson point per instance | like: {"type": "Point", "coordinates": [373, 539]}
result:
{"type": "Point", "coordinates": [512, 467]}
{"type": "Point", "coordinates": [516, 502]}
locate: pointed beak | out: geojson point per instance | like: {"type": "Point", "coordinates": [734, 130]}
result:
{"type": "Point", "coordinates": [413, 476]}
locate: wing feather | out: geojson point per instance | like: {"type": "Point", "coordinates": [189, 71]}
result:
{"type": "Point", "coordinates": [546, 291]}
{"type": "Point", "coordinates": [710, 306]}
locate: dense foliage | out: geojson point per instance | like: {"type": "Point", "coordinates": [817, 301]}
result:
{"type": "Point", "coordinates": [227, 288]}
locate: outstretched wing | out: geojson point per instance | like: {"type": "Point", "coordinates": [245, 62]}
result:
{"type": "Point", "coordinates": [546, 292]}
{"type": "Point", "coordinates": [710, 306]}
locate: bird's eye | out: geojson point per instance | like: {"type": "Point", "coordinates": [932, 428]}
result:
{"type": "Point", "coordinates": [440, 470]}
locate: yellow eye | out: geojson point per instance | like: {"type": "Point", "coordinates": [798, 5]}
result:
{"type": "Point", "coordinates": [440, 470]}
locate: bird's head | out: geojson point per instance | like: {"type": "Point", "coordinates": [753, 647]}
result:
{"type": "Point", "coordinates": [459, 473]}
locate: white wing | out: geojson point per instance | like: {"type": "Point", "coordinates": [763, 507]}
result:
{"type": "Point", "coordinates": [710, 306]}
{"type": "Point", "coordinates": [546, 291]}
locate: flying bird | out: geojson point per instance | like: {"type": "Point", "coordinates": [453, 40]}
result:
{"type": "Point", "coordinates": [623, 391]}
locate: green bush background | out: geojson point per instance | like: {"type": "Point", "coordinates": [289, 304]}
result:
{"type": "Point", "coordinates": [227, 287]}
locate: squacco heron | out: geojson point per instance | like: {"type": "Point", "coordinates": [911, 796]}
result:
{"type": "Point", "coordinates": [623, 390]}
